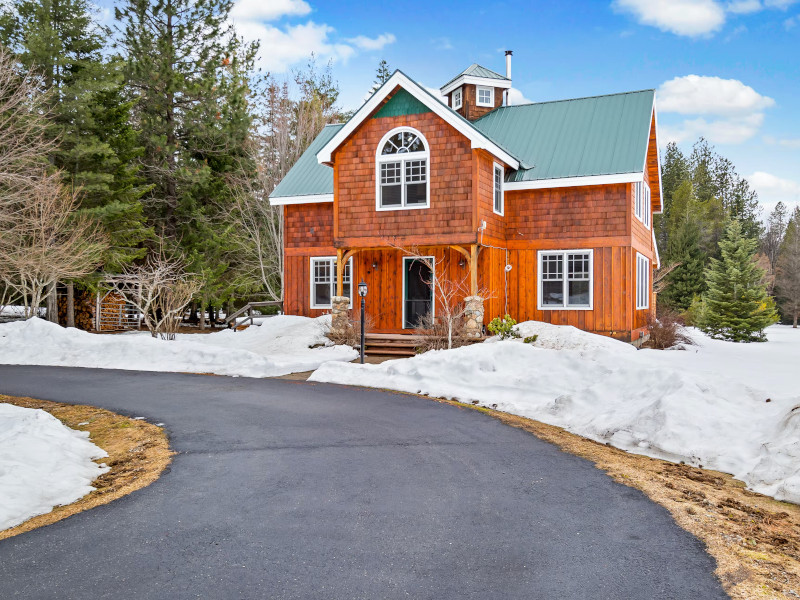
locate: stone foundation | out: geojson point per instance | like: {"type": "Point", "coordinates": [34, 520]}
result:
{"type": "Point", "coordinates": [473, 316]}
{"type": "Point", "coordinates": [340, 316]}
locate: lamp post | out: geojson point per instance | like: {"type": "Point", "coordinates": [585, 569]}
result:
{"type": "Point", "coordinates": [362, 291]}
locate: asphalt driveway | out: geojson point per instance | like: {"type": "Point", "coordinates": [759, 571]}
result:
{"type": "Point", "coordinates": [291, 490]}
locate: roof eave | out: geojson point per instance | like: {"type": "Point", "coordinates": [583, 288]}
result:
{"type": "Point", "coordinates": [473, 80]}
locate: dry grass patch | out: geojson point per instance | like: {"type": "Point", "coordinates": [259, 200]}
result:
{"type": "Point", "coordinates": [754, 539]}
{"type": "Point", "coordinates": [138, 452]}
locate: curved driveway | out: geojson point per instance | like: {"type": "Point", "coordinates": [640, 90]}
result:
{"type": "Point", "coordinates": [291, 490]}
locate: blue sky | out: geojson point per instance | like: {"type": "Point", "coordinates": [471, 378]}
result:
{"type": "Point", "coordinates": [725, 69]}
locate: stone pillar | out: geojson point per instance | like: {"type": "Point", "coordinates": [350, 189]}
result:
{"type": "Point", "coordinates": [340, 316]}
{"type": "Point", "coordinates": [473, 316]}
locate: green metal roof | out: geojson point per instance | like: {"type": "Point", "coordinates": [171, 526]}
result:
{"type": "Point", "coordinates": [307, 177]}
{"type": "Point", "coordinates": [475, 70]}
{"type": "Point", "coordinates": [600, 135]}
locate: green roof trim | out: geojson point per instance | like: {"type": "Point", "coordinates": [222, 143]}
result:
{"type": "Point", "coordinates": [583, 137]}
{"type": "Point", "coordinates": [402, 103]}
{"type": "Point", "coordinates": [475, 70]}
{"type": "Point", "coordinates": [307, 177]}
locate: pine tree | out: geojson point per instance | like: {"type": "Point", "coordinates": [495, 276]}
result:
{"type": "Point", "coordinates": [737, 306]}
{"type": "Point", "coordinates": [97, 149]}
{"type": "Point", "coordinates": [674, 171]}
{"type": "Point", "coordinates": [382, 73]}
{"type": "Point", "coordinates": [189, 75]}
{"type": "Point", "coordinates": [787, 271]}
{"type": "Point", "coordinates": [773, 234]}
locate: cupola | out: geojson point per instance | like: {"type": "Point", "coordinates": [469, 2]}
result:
{"type": "Point", "coordinates": [477, 90]}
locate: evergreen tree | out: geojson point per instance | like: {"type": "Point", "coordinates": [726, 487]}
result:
{"type": "Point", "coordinates": [97, 149]}
{"type": "Point", "coordinates": [774, 232]}
{"type": "Point", "coordinates": [674, 171]}
{"type": "Point", "coordinates": [737, 306]}
{"type": "Point", "coordinates": [787, 280]}
{"type": "Point", "coordinates": [189, 75]}
{"type": "Point", "coordinates": [382, 73]}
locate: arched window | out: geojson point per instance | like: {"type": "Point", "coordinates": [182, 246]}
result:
{"type": "Point", "coordinates": [402, 176]}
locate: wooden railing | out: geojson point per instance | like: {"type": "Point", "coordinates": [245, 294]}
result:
{"type": "Point", "coordinates": [230, 320]}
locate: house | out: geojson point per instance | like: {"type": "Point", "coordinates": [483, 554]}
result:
{"type": "Point", "coordinates": [544, 209]}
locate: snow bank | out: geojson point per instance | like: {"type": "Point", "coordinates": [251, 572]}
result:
{"type": "Point", "coordinates": [281, 345]}
{"type": "Point", "coordinates": [43, 464]}
{"type": "Point", "coordinates": [706, 405]}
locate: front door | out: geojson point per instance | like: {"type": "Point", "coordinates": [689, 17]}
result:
{"type": "Point", "coordinates": [418, 291]}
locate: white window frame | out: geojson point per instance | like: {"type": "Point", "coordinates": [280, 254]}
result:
{"type": "Point", "coordinates": [431, 261]}
{"type": "Point", "coordinates": [565, 281]}
{"type": "Point", "coordinates": [458, 98]}
{"type": "Point", "coordinates": [478, 89]}
{"type": "Point", "coordinates": [498, 167]}
{"type": "Point", "coordinates": [331, 259]}
{"type": "Point", "coordinates": [643, 277]}
{"type": "Point", "coordinates": [641, 202]}
{"type": "Point", "coordinates": [402, 159]}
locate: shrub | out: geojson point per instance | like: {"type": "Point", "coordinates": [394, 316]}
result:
{"type": "Point", "coordinates": [438, 335]}
{"type": "Point", "coordinates": [503, 327]}
{"type": "Point", "coordinates": [666, 331]}
{"type": "Point", "coordinates": [351, 336]}
{"type": "Point", "coordinates": [531, 339]}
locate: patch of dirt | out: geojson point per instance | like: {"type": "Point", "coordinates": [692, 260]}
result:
{"type": "Point", "coordinates": [138, 452]}
{"type": "Point", "coordinates": [754, 538]}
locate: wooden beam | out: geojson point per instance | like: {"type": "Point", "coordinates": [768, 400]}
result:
{"type": "Point", "coordinates": [339, 272]}
{"type": "Point", "coordinates": [462, 251]}
{"type": "Point", "coordinates": [473, 270]}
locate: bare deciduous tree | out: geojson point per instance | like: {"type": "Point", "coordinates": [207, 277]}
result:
{"type": "Point", "coordinates": [46, 241]}
{"type": "Point", "coordinates": [660, 281]}
{"type": "Point", "coordinates": [160, 289]}
{"type": "Point", "coordinates": [24, 143]}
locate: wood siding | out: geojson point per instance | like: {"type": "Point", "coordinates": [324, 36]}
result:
{"type": "Point", "coordinates": [469, 101]}
{"type": "Point", "coordinates": [450, 172]}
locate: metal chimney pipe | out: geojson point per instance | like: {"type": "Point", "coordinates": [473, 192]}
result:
{"type": "Point", "coordinates": [508, 63]}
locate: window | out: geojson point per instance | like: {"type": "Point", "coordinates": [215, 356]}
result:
{"type": "Point", "coordinates": [323, 281]}
{"type": "Point", "coordinates": [485, 96]}
{"type": "Point", "coordinates": [499, 200]}
{"type": "Point", "coordinates": [402, 170]}
{"type": "Point", "coordinates": [642, 282]}
{"type": "Point", "coordinates": [565, 279]}
{"type": "Point", "coordinates": [641, 202]}
{"type": "Point", "coordinates": [457, 99]}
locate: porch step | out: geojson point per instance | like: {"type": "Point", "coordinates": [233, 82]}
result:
{"type": "Point", "coordinates": [392, 344]}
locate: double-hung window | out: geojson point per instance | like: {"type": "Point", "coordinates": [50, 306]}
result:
{"type": "Point", "coordinates": [457, 99]}
{"type": "Point", "coordinates": [499, 199]}
{"type": "Point", "coordinates": [642, 282]}
{"type": "Point", "coordinates": [323, 281]}
{"type": "Point", "coordinates": [402, 170]}
{"type": "Point", "coordinates": [641, 202]}
{"type": "Point", "coordinates": [565, 279]}
{"type": "Point", "coordinates": [485, 96]}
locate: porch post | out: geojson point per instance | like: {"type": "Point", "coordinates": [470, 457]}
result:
{"type": "Point", "coordinates": [339, 272]}
{"type": "Point", "coordinates": [473, 314]}
{"type": "Point", "coordinates": [340, 304]}
{"type": "Point", "coordinates": [473, 270]}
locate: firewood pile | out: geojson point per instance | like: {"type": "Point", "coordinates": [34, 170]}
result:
{"type": "Point", "coordinates": [114, 312]}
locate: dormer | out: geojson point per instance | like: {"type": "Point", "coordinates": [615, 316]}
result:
{"type": "Point", "coordinates": [476, 90]}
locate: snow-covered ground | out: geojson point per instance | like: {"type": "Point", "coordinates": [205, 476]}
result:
{"type": "Point", "coordinates": [43, 464]}
{"type": "Point", "coordinates": [725, 406]}
{"type": "Point", "coordinates": [282, 344]}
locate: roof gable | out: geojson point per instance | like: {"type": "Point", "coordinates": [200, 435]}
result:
{"type": "Point", "coordinates": [401, 103]}
{"type": "Point", "coordinates": [400, 80]}
{"type": "Point", "coordinates": [584, 137]}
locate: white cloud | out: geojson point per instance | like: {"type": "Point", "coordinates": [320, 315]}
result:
{"type": "Point", "coordinates": [772, 189]}
{"type": "Point", "coordinates": [791, 22]}
{"type": "Point", "coordinates": [516, 97]}
{"type": "Point", "coordinates": [282, 48]}
{"type": "Point", "coordinates": [701, 95]}
{"type": "Point", "coordinates": [719, 131]}
{"type": "Point", "coordinates": [365, 43]}
{"type": "Point", "coordinates": [691, 18]}
{"type": "Point", "coordinates": [732, 112]}
{"type": "Point", "coordinates": [744, 7]}
{"type": "Point", "coordinates": [268, 10]}
{"type": "Point", "coordinates": [785, 142]}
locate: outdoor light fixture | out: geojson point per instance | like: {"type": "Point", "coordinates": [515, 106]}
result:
{"type": "Point", "coordinates": [374, 265]}
{"type": "Point", "coordinates": [362, 291]}
{"type": "Point", "coordinates": [462, 263]}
